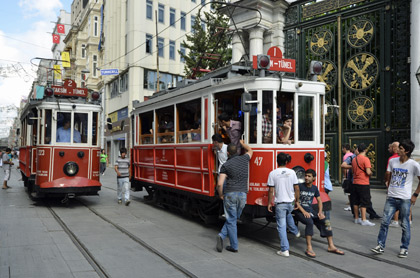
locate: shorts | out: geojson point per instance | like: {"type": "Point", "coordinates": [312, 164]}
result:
{"type": "Point", "coordinates": [6, 174]}
{"type": "Point", "coordinates": [361, 195]}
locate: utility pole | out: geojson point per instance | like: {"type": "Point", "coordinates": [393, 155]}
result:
{"type": "Point", "coordinates": [157, 53]}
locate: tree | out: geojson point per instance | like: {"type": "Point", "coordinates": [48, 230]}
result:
{"type": "Point", "coordinates": [209, 48]}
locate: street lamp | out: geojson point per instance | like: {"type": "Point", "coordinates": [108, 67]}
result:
{"type": "Point", "coordinates": [418, 75]}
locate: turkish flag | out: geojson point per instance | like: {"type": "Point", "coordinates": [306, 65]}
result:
{"type": "Point", "coordinates": [56, 38]}
{"type": "Point", "coordinates": [60, 29]}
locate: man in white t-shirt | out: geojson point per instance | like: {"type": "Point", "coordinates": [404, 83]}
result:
{"type": "Point", "coordinates": [284, 187]}
{"type": "Point", "coordinates": [400, 173]}
{"type": "Point", "coordinates": [220, 149]}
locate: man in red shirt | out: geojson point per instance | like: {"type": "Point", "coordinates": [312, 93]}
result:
{"type": "Point", "coordinates": [361, 172]}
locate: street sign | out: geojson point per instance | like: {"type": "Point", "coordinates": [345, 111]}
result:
{"type": "Point", "coordinates": [109, 72]}
{"type": "Point", "coordinates": [277, 63]}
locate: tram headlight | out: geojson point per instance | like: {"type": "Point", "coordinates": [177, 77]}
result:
{"type": "Point", "coordinates": [71, 168]}
{"type": "Point", "coordinates": [300, 173]}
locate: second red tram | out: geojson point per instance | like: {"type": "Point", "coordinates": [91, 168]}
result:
{"type": "Point", "coordinates": [173, 158]}
{"type": "Point", "coordinates": [60, 145]}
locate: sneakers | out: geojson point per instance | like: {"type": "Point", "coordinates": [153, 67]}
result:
{"type": "Point", "coordinates": [219, 244]}
{"type": "Point", "coordinates": [347, 208]}
{"type": "Point", "coordinates": [119, 201]}
{"type": "Point", "coordinates": [297, 235]}
{"type": "Point", "coordinates": [367, 223]}
{"type": "Point", "coordinates": [127, 202]}
{"type": "Point", "coordinates": [403, 253]}
{"type": "Point", "coordinates": [378, 250]}
{"type": "Point", "coordinates": [358, 221]}
{"type": "Point", "coordinates": [394, 224]}
{"type": "Point", "coordinates": [283, 253]}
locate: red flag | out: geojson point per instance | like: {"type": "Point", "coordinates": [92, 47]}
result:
{"type": "Point", "coordinates": [56, 38]}
{"type": "Point", "coordinates": [60, 29]}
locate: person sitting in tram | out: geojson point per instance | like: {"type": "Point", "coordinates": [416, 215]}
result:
{"type": "Point", "coordinates": [266, 126]}
{"type": "Point", "coordinates": [64, 133]}
{"type": "Point", "coordinates": [285, 135]}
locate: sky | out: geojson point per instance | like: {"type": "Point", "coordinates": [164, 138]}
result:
{"type": "Point", "coordinates": [25, 33]}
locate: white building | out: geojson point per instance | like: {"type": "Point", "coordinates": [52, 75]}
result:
{"type": "Point", "coordinates": [130, 45]}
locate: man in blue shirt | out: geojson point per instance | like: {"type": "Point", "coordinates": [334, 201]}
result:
{"type": "Point", "coordinates": [64, 133]}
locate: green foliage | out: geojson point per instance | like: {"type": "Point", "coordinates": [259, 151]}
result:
{"type": "Point", "coordinates": [213, 42]}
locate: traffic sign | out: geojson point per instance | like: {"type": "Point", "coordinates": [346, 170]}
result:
{"type": "Point", "coordinates": [109, 72]}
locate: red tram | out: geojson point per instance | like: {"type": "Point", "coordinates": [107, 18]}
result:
{"type": "Point", "coordinates": [172, 155]}
{"type": "Point", "coordinates": [60, 143]}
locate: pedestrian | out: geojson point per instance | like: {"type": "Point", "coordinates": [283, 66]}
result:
{"type": "Point", "coordinates": [346, 150]}
{"type": "Point", "coordinates": [233, 194]}
{"type": "Point", "coordinates": [393, 150]}
{"type": "Point", "coordinates": [283, 184]}
{"type": "Point", "coordinates": [309, 217]}
{"type": "Point", "coordinates": [122, 168]}
{"type": "Point", "coordinates": [327, 183]}
{"type": "Point", "coordinates": [401, 172]}
{"type": "Point", "coordinates": [103, 161]}
{"type": "Point", "coordinates": [220, 150]}
{"type": "Point", "coordinates": [232, 128]}
{"type": "Point", "coordinates": [361, 168]}
{"type": "Point", "coordinates": [7, 164]}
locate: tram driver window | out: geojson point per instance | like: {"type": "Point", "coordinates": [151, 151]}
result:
{"type": "Point", "coordinates": [165, 125]}
{"type": "Point", "coordinates": [64, 127]}
{"type": "Point", "coordinates": [306, 118]}
{"type": "Point", "coordinates": [146, 128]}
{"type": "Point", "coordinates": [189, 121]}
{"type": "Point", "coordinates": [285, 117]}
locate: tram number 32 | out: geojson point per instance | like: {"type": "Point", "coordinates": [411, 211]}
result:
{"type": "Point", "coordinates": [258, 160]}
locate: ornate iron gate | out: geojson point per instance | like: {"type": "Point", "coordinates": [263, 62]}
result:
{"type": "Point", "coordinates": [364, 46]}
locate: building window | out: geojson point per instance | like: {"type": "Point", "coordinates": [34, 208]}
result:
{"type": "Point", "coordinates": [183, 21]}
{"type": "Point", "coordinates": [161, 42]}
{"type": "Point", "coordinates": [126, 10]}
{"type": "Point", "coordinates": [166, 80]}
{"type": "Point", "coordinates": [126, 44]}
{"type": "Point", "coordinates": [95, 26]}
{"type": "Point", "coordinates": [149, 9]}
{"type": "Point", "coordinates": [113, 87]}
{"type": "Point", "coordinates": [172, 17]}
{"type": "Point", "coordinates": [149, 43]}
{"type": "Point", "coordinates": [94, 65]}
{"type": "Point", "coordinates": [161, 13]}
{"type": "Point", "coordinates": [193, 1]}
{"type": "Point", "coordinates": [124, 82]}
{"type": "Point", "coordinates": [183, 52]}
{"type": "Point", "coordinates": [172, 50]}
{"type": "Point", "coordinates": [203, 26]}
{"type": "Point", "coordinates": [203, 2]}
{"type": "Point", "coordinates": [83, 51]}
{"type": "Point", "coordinates": [192, 23]}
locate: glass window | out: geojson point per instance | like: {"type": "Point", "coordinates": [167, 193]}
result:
{"type": "Point", "coordinates": [161, 13]}
{"type": "Point", "coordinates": [192, 23]}
{"type": "Point", "coordinates": [165, 125]}
{"type": "Point", "coordinates": [172, 50]}
{"type": "Point", "coordinates": [253, 120]}
{"type": "Point", "coordinates": [95, 128]}
{"type": "Point", "coordinates": [63, 127]}
{"type": "Point", "coordinates": [161, 42]}
{"type": "Point", "coordinates": [189, 119]}
{"type": "Point", "coordinates": [203, 26]}
{"type": "Point", "coordinates": [172, 17]}
{"type": "Point", "coordinates": [95, 26]}
{"type": "Point", "coordinates": [267, 118]}
{"type": "Point", "coordinates": [306, 118]}
{"type": "Point", "coordinates": [83, 51]}
{"type": "Point", "coordinates": [47, 126]}
{"type": "Point", "coordinates": [322, 118]}
{"type": "Point", "coordinates": [203, 2]}
{"type": "Point", "coordinates": [146, 128]}
{"type": "Point", "coordinates": [183, 21]}
{"type": "Point", "coordinates": [182, 49]}
{"type": "Point", "coordinates": [94, 65]}
{"type": "Point", "coordinates": [284, 112]}
{"type": "Point", "coordinates": [149, 9]}
{"type": "Point", "coordinates": [149, 43]}
{"type": "Point", "coordinates": [80, 130]}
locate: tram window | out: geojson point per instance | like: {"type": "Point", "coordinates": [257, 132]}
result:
{"type": "Point", "coordinates": [267, 118]}
{"type": "Point", "coordinates": [306, 118]}
{"type": "Point", "coordinates": [165, 125]}
{"type": "Point", "coordinates": [95, 128]}
{"type": "Point", "coordinates": [253, 120]}
{"type": "Point", "coordinates": [285, 116]}
{"type": "Point", "coordinates": [34, 137]}
{"type": "Point", "coordinates": [146, 128]}
{"type": "Point", "coordinates": [322, 118]}
{"type": "Point", "coordinates": [47, 126]}
{"type": "Point", "coordinates": [80, 133]}
{"type": "Point", "coordinates": [189, 121]}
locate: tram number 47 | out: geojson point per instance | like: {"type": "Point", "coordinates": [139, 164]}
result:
{"type": "Point", "coordinates": [258, 160]}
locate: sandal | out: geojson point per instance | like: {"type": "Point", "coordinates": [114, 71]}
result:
{"type": "Point", "coordinates": [336, 251]}
{"type": "Point", "coordinates": [310, 254]}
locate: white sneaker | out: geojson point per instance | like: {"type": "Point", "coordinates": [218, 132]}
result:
{"type": "Point", "coordinates": [367, 223]}
{"type": "Point", "coordinates": [403, 253]}
{"type": "Point", "coordinates": [283, 253]}
{"type": "Point", "coordinates": [297, 235]}
{"type": "Point", "coordinates": [394, 224]}
{"type": "Point", "coordinates": [347, 208]}
{"type": "Point", "coordinates": [358, 221]}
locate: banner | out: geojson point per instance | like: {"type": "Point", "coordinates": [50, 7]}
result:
{"type": "Point", "coordinates": [65, 59]}
{"type": "Point", "coordinates": [56, 38]}
{"type": "Point", "coordinates": [60, 29]}
{"type": "Point", "coordinates": [57, 72]}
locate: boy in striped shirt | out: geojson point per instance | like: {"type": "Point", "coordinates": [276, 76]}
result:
{"type": "Point", "coordinates": [122, 168]}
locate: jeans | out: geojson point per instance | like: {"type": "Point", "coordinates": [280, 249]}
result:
{"type": "Point", "coordinates": [233, 203]}
{"type": "Point", "coordinates": [284, 218]}
{"type": "Point", "coordinates": [102, 167]}
{"type": "Point", "coordinates": [123, 184]}
{"type": "Point", "coordinates": [392, 205]}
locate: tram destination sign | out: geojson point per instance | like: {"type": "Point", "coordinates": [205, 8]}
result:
{"type": "Point", "coordinates": [277, 62]}
{"type": "Point", "coordinates": [69, 89]}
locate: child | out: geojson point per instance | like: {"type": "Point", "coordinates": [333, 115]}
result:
{"type": "Point", "coordinates": [122, 168]}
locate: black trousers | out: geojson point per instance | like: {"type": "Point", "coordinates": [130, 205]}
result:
{"type": "Point", "coordinates": [310, 222]}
